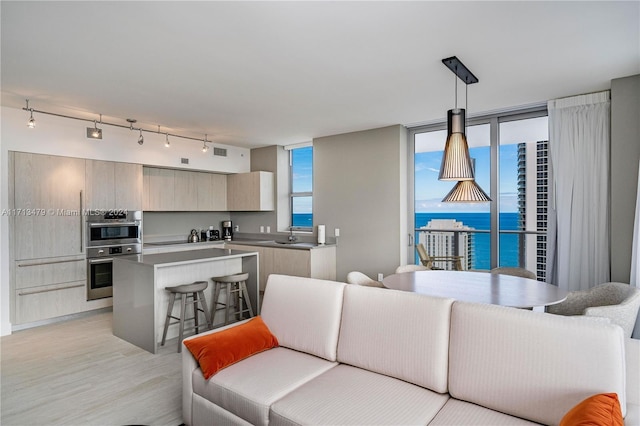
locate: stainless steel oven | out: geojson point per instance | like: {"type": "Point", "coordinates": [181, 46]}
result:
{"type": "Point", "coordinates": [112, 227]}
{"type": "Point", "coordinates": [109, 234]}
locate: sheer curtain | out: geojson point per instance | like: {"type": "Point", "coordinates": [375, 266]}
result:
{"type": "Point", "coordinates": [578, 239]}
{"type": "Point", "coordinates": [635, 255]}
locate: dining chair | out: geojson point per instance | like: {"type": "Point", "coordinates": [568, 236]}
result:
{"type": "Point", "coordinates": [516, 272]}
{"type": "Point", "coordinates": [358, 278]}
{"type": "Point", "coordinates": [411, 268]}
{"type": "Point", "coordinates": [619, 302]}
{"type": "Point", "coordinates": [428, 261]}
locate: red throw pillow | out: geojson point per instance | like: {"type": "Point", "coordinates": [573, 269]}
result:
{"type": "Point", "coordinates": [216, 351]}
{"type": "Point", "coordinates": [601, 410]}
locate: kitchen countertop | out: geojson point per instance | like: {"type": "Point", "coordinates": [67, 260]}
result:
{"type": "Point", "coordinates": [183, 257]}
{"type": "Point", "coordinates": [298, 245]}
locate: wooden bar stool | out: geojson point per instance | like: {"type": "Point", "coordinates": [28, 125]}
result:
{"type": "Point", "coordinates": [237, 297]}
{"type": "Point", "coordinates": [189, 294]}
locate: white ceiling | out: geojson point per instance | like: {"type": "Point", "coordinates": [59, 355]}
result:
{"type": "Point", "coordinates": [260, 73]}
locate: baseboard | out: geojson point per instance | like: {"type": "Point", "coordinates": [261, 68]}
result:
{"type": "Point", "coordinates": [60, 319]}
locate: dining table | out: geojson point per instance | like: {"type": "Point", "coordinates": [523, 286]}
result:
{"type": "Point", "coordinates": [479, 287]}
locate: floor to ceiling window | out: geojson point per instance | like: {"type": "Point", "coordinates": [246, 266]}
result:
{"type": "Point", "coordinates": [507, 152]}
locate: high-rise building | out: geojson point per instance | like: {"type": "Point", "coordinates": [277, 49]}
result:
{"type": "Point", "coordinates": [533, 183]}
{"type": "Point", "coordinates": [448, 242]}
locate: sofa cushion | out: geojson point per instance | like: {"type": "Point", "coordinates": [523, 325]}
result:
{"type": "Point", "coordinates": [567, 359]}
{"type": "Point", "coordinates": [249, 387]}
{"type": "Point", "coordinates": [415, 330]}
{"type": "Point", "coordinates": [348, 395]}
{"type": "Point", "coordinates": [602, 410]}
{"type": "Point", "coordinates": [215, 351]}
{"type": "Point", "coordinates": [304, 313]}
{"type": "Point", "coordinates": [460, 413]}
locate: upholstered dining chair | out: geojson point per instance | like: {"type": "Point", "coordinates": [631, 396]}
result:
{"type": "Point", "coordinates": [358, 278]}
{"type": "Point", "coordinates": [517, 272]}
{"type": "Point", "coordinates": [411, 268]}
{"type": "Point", "coordinates": [618, 302]}
{"type": "Point", "coordinates": [428, 261]}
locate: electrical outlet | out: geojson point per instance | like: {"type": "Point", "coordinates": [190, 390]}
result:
{"type": "Point", "coordinates": [336, 232]}
{"type": "Point", "coordinates": [261, 229]}
{"type": "Point", "coordinates": [268, 229]}
{"type": "Point", "coordinates": [380, 276]}
{"type": "Point", "coordinates": [236, 228]}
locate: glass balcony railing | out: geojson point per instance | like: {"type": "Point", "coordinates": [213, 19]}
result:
{"type": "Point", "coordinates": [517, 248]}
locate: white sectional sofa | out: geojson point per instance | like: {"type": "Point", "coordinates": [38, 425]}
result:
{"type": "Point", "coordinates": [368, 356]}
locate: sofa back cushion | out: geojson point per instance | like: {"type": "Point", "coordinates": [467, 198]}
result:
{"type": "Point", "coordinates": [396, 333]}
{"type": "Point", "coordinates": [304, 313]}
{"type": "Point", "coordinates": [531, 364]}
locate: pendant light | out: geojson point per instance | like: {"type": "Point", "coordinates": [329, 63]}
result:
{"type": "Point", "coordinates": [32, 121]}
{"type": "Point", "coordinates": [456, 161]}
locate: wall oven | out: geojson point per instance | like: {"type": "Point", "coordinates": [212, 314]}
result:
{"type": "Point", "coordinates": [108, 235]}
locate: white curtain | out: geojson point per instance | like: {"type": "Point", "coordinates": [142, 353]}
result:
{"type": "Point", "coordinates": [635, 255]}
{"type": "Point", "coordinates": [578, 239]}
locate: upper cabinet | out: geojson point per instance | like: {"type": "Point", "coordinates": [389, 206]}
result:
{"type": "Point", "coordinates": [252, 191]}
{"type": "Point", "coordinates": [51, 188]}
{"type": "Point", "coordinates": [111, 185]}
{"type": "Point", "coordinates": [182, 190]}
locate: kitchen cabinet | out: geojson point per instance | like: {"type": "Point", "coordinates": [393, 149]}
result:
{"type": "Point", "coordinates": [158, 189]}
{"type": "Point", "coordinates": [252, 191]}
{"type": "Point", "coordinates": [184, 190]}
{"type": "Point", "coordinates": [48, 190]}
{"type": "Point", "coordinates": [110, 185]}
{"type": "Point", "coordinates": [52, 287]}
{"type": "Point", "coordinates": [313, 263]}
{"type": "Point", "coordinates": [212, 192]}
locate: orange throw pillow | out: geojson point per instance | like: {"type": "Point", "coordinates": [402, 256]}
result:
{"type": "Point", "coordinates": [601, 410]}
{"type": "Point", "coordinates": [216, 351]}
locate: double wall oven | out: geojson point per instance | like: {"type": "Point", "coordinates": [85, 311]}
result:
{"type": "Point", "coordinates": [109, 234]}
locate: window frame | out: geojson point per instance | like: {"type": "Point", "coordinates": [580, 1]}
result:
{"type": "Point", "coordinates": [293, 195]}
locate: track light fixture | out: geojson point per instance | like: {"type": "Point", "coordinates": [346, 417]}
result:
{"type": "Point", "coordinates": [95, 132]}
{"type": "Point", "coordinates": [32, 122]}
{"type": "Point", "coordinates": [205, 148]}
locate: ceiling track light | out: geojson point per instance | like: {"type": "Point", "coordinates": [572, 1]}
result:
{"type": "Point", "coordinates": [95, 130]}
{"type": "Point", "coordinates": [205, 148]}
{"type": "Point", "coordinates": [32, 122]}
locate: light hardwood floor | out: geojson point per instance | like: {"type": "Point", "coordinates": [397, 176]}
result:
{"type": "Point", "coordinates": [78, 373]}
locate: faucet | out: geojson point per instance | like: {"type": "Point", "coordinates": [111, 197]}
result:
{"type": "Point", "coordinates": [292, 238]}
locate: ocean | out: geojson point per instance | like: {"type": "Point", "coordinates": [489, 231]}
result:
{"type": "Point", "coordinates": [482, 246]}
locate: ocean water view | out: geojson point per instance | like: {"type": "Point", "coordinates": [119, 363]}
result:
{"type": "Point", "coordinates": [482, 246]}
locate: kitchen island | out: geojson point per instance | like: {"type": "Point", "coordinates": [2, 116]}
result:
{"type": "Point", "coordinates": [140, 299]}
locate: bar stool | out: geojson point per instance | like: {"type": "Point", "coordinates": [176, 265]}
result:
{"type": "Point", "coordinates": [237, 296]}
{"type": "Point", "coordinates": [189, 294]}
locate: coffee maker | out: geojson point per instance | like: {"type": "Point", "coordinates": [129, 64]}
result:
{"type": "Point", "coordinates": [227, 230]}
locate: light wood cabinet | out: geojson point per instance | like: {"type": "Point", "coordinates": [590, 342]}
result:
{"type": "Point", "coordinates": [313, 263]}
{"type": "Point", "coordinates": [185, 189]}
{"type": "Point", "coordinates": [188, 190]}
{"type": "Point", "coordinates": [128, 186]}
{"type": "Point", "coordinates": [158, 188]}
{"type": "Point", "coordinates": [212, 191]}
{"type": "Point", "coordinates": [110, 185]}
{"type": "Point", "coordinates": [252, 191]}
{"type": "Point", "coordinates": [52, 188]}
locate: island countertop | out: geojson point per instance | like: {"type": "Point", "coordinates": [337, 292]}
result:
{"type": "Point", "coordinates": [184, 257]}
{"type": "Point", "coordinates": [140, 300]}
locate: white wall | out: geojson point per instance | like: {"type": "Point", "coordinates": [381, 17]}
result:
{"type": "Point", "coordinates": [67, 137]}
{"type": "Point", "coordinates": [360, 186]}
